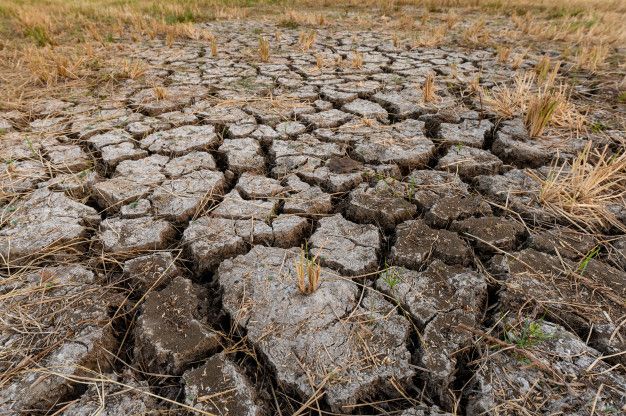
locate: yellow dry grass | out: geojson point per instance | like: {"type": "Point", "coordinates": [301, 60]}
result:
{"type": "Point", "coordinates": [592, 57]}
{"type": "Point", "coordinates": [306, 40]}
{"type": "Point", "coordinates": [308, 271]}
{"type": "Point", "coordinates": [503, 53]}
{"type": "Point", "coordinates": [587, 191]}
{"type": "Point", "coordinates": [542, 104]}
{"type": "Point", "coordinates": [264, 49]}
{"type": "Point", "coordinates": [59, 31]}
{"type": "Point", "coordinates": [357, 60]}
{"type": "Point", "coordinates": [539, 112]}
{"type": "Point", "coordinates": [160, 93]}
{"type": "Point", "coordinates": [429, 92]}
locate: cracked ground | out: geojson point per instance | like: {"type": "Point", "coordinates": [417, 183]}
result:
{"type": "Point", "coordinates": [293, 215]}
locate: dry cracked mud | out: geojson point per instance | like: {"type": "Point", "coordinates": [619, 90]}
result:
{"type": "Point", "coordinates": [151, 243]}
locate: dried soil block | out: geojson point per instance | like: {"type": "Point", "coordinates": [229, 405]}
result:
{"type": "Point", "coordinates": [173, 329]}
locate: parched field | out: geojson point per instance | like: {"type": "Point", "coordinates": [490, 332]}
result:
{"type": "Point", "coordinates": [256, 208]}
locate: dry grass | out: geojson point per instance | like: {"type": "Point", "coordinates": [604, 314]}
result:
{"type": "Point", "coordinates": [213, 46]}
{"type": "Point", "coordinates": [306, 40]}
{"type": "Point", "coordinates": [542, 68]}
{"type": "Point", "coordinates": [503, 53]}
{"type": "Point", "coordinates": [308, 272]}
{"type": "Point", "coordinates": [507, 100]}
{"type": "Point", "coordinates": [49, 66]}
{"type": "Point", "coordinates": [432, 37]}
{"type": "Point", "coordinates": [517, 59]}
{"type": "Point", "coordinates": [593, 57]}
{"type": "Point", "coordinates": [264, 49]}
{"type": "Point", "coordinates": [38, 306]}
{"type": "Point", "coordinates": [357, 60]}
{"type": "Point", "coordinates": [542, 105]}
{"type": "Point", "coordinates": [160, 93]}
{"type": "Point", "coordinates": [395, 40]}
{"type": "Point", "coordinates": [539, 112]}
{"type": "Point", "coordinates": [476, 34]}
{"type": "Point", "coordinates": [131, 69]}
{"type": "Point", "coordinates": [594, 26]}
{"type": "Point", "coordinates": [586, 191]}
{"type": "Point", "coordinates": [319, 61]}
{"type": "Point", "coordinates": [429, 90]}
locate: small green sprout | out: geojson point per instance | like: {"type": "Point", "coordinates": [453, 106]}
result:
{"type": "Point", "coordinates": [530, 334]}
{"type": "Point", "coordinates": [83, 173]}
{"type": "Point", "coordinates": [29, 143]}
{"type": "Point", "coordinates": [410, 190]}
{"type": "Point", "coordinates": [391, 276]}
{"type": "Point", "coordinates": [598, 127]}
{"type": "Point", "coordinates": [585, 261]}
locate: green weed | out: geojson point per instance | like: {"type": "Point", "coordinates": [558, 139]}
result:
{"type": "Point", "coordinates": [391, 276]}
{"type": "Point", "coordinates": [585, 261]}
{"type": "Point", "coordinates": [528, 336]}
{"type": "Point", "coordinates": [39, 35]}
{"type": "Point", "coordinates": [598, 127]}
{"type": "Point", "coordinates": [289, 24]}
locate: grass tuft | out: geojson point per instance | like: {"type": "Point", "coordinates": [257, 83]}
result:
{"type": "Point", "coordinates": [39, 35]}
{"type": "Point", "coordinates": [476, 34]}
{"type": "Point", "coordinates": [264, 49]}
{"type": "Point", "coordinates": [429, 91]}
{"type": "Point", "coordinates": [542, 68]}
{"type": "Point", "coordinates": [503, 53]}
{"type": "Point", "coordinates": [306, 40]}
{"type": "Point", "coordinates": [592, 58]}
{"type": "Point", "coordinates": [308, 272]}
{"type": "Point", "coordinates": [160, 93]}
{"type": "Point", "coordinates": [587, 191]}
{"type": "Point", "coordinates": [539, 112]}
{"type": "Point", "coordinates": [357, 60]}
{"type": "Point", "coordinates": [131, 69]}
{"type": "Point", "coordinates": [213, 46]}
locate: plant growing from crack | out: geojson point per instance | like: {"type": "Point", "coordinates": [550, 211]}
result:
{"type": "Point", "coordinates": [410, 189]}
{"type": "Point", "coordinates": [429, 93]}
{"type": "Point", "coordinates": [357, 60]}
{"type": "Point", "coordinates": [588, 257]}
{"type": "Point", "coordinates": [539, 113]}
{"type": "Point", "coordinates": [306, 40]}
{"type": "Point", "coordinates": [213, 46]}
{"type": "Point", "coordinates": [160, 93]}
{"type": "Point", "coordinates": [530, 334]}
{"type": "Point", "coordinates": [391, 276]}
{"type": "Point", "coordinates": [308, 271]}
{"type": "Point", "coordinates": [264, 49]}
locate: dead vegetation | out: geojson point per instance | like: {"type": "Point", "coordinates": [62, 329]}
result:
{"type": "Point", "coordinates": [308, 272]}
{"type": "Point", "coordinates": [160, 92]}
{"type": "Point", "coordinates": [429, 92]}
{"type": "Point", "coordinates": [539, 113]}
{"type": "Point", "coordinates": [543, 103]}
{"type": "Point", "coordinates": [592, 26]}
{"type": "Point", "coordinates": [264, 49]}
{"type": "Point", "coordinates": [306, 40]}
{"type": "Point", "coordinates": [588, 191]}
{"type": "Point", "coordinates": [357, 60]}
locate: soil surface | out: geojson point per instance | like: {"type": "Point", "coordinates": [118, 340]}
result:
{"type": "Point", "coordinates": [151, 242]}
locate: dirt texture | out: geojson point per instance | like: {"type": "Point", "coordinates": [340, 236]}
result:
{"type": "Point", "coordinates": [303, 234]}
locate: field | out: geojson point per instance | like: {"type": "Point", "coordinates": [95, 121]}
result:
{"type": "Point", "coordinates": [309, 207]}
